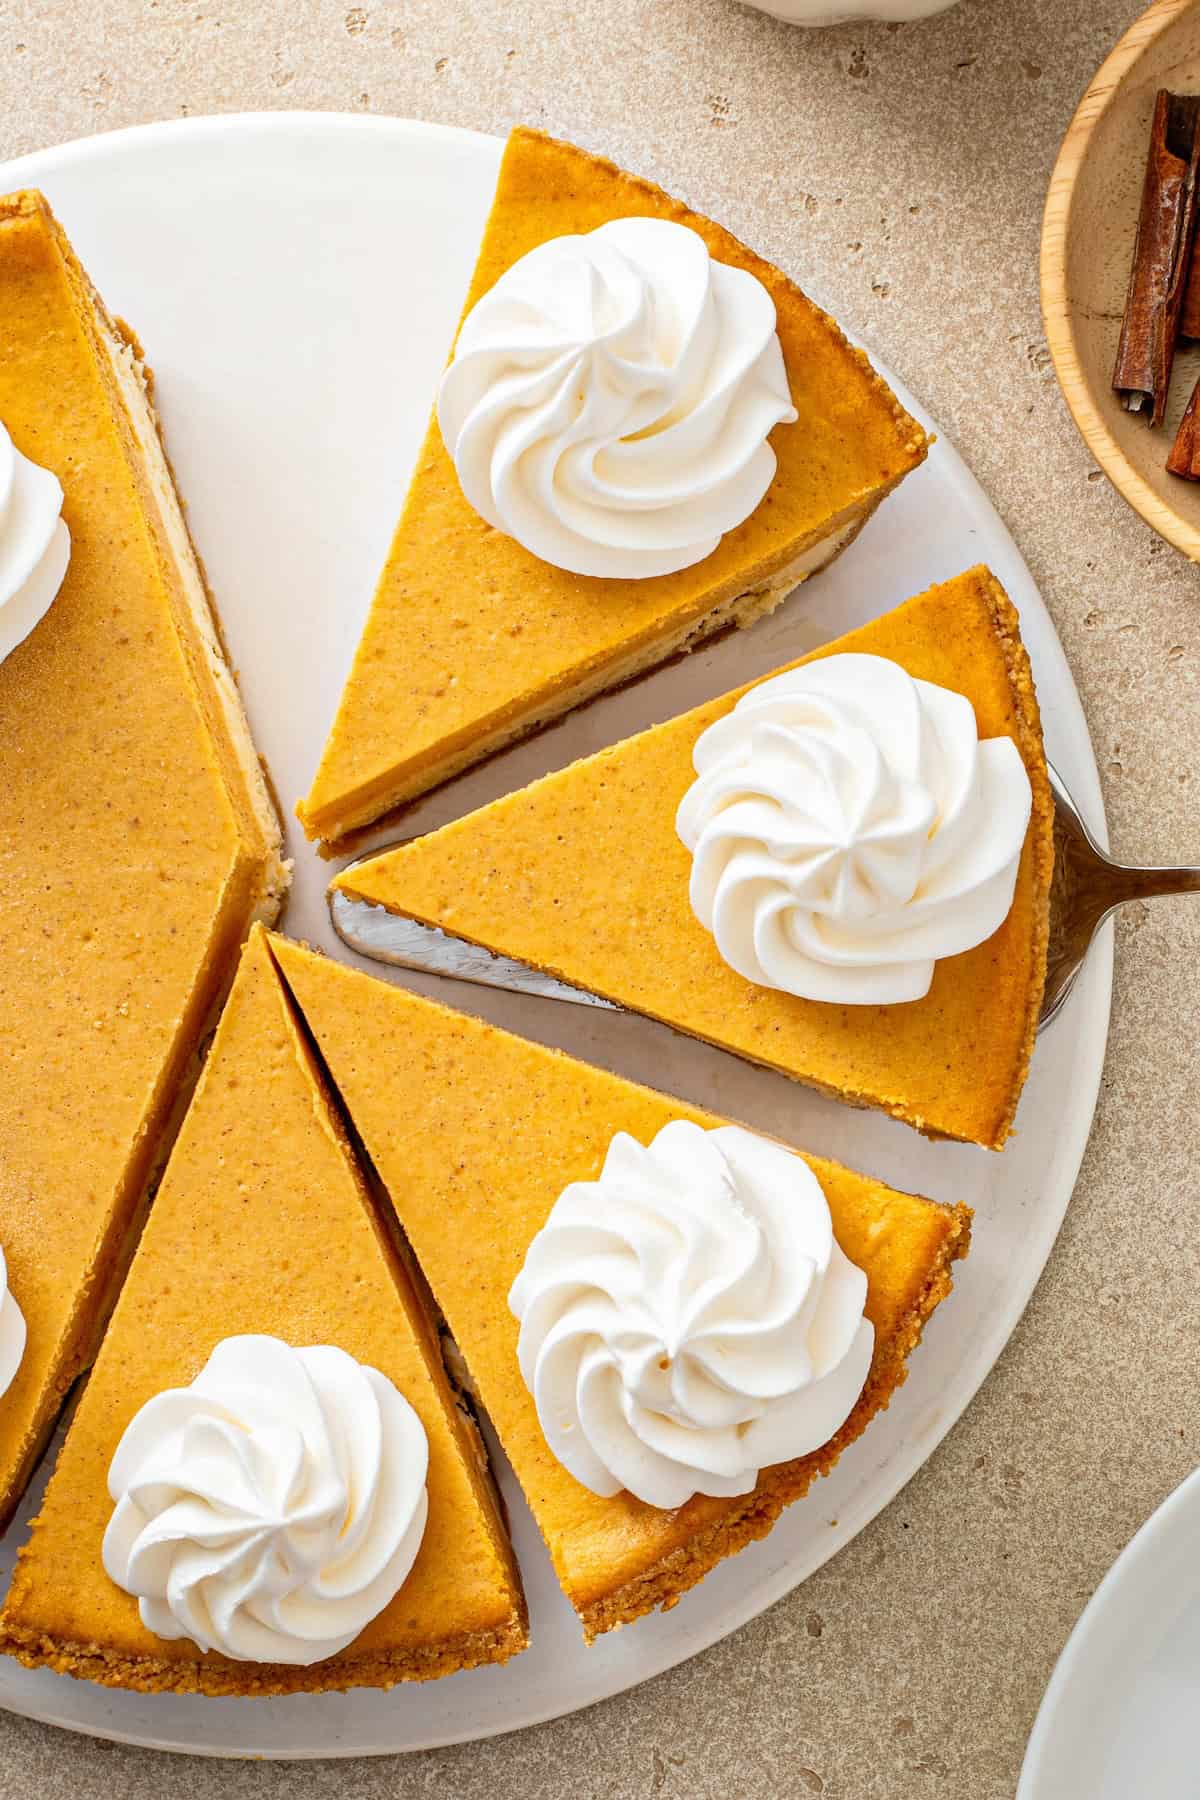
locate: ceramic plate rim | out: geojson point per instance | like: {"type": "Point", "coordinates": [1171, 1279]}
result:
{"type": "Point", "coordinates": [1089, 1007]}
{"type": "Point", "coordinates": [1089, 1639]}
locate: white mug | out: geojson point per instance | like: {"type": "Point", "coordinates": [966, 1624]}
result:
{"type": "Point", "coordinates": [842, 12]}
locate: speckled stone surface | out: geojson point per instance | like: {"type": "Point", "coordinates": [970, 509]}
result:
{"type": "Point", "coordinates": [900, 172]}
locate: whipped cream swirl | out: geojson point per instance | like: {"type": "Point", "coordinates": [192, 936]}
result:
{"type": "Point", "coordinates": [688, 1319]}
{"type": "Point", "coordinates": [12, 1331]}
{"type": "Point", "coordinates": [848, 828]}
{"type": "Point", "coordinates": [610, 397]}
{"type": "Point", "coordinates": [273, 1508]}
{"type": "Point", "coordinates": [35, 545]}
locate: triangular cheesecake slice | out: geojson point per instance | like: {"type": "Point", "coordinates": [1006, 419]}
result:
{"type": "Point", "coordinates": [138, 839]}
{"type": "Point", "coordinates": [583, 874]}
{"type": "Point", "coordinates": [263, 1225]}
{"type": "Point", "coordinates": [475, 1134]}
{"type": "Point", "coordinates": [472, 641]}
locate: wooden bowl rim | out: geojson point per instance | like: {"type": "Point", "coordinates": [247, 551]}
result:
{"type": "Point", "coordinates": [1056, 311]}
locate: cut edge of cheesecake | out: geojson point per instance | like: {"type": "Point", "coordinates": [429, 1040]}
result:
{"type": "Point", "coordinates": [331, 812]}
{"type": "Point", "coordinates": [358, 882]}
{"type": "Point", "coordinates": [96, 1298]}
{"type": "Point", "coordinates": [661, 1586]}
{"type": "Point", "coordinates": [218, 1677]}
{"type": "Point", "coordinates": [129, 383]}
{"type": "Point", "coordinates": [213, 671]}
{"type": "Point", "coordinates": [260, 875]}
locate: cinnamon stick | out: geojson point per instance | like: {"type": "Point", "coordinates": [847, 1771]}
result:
{"type": "Point", "coordinates": [1161, 256]}
{"type": "Point", "coordinates": [1184, 459]}
{"type": "Point", "coordinates": [1189, 316]}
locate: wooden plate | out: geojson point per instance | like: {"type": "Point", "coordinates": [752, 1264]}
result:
{"type": "Point", "coordinates": [1087, 243]}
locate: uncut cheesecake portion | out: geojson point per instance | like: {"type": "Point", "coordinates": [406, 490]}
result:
{"type": "Point", "coordinates": [138, 840]}
{"type": "Point", "coordinates": [475, 1134]}
{"type": "Point", "coordinates": [583, 874]}
{"type": "Point", "coordinates": [472, 641]}
{"type": "Point", "coordinates": [264, 1225]}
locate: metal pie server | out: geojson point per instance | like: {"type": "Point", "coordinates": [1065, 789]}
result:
{"type": "Point", "coordinates": [1088, 887]}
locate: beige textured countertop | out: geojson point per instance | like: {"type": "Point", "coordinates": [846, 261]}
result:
{"type": "Point", "coordinates": [902, 171]}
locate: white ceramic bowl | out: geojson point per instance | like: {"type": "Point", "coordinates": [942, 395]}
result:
{"type": "Point", "coordinates": [1119, 1718]}
{"type": "Point", "coordinates": [817, 12]}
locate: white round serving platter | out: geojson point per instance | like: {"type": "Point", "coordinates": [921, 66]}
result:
{"type": "Point", "coordinates": [1119, 1717]}
{"type": "Point", "coordinates": [295, 279]}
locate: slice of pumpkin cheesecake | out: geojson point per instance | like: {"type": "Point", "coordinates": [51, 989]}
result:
{"type": "Point", "coordinates": [841, 871]}
{"type": "Point", "coordinates": [269, 1485]}
{"type": "Point", "coordinates": [674, 1325]}
{"type": "Point", "coordinates": [138, 839]}
{"type": "Point", "coordinates": [647, 434]}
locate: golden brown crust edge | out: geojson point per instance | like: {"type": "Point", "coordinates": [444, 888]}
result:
{"type": "Point", "coordinates": [22, 203]}
{"type": "Point", "coordinates": [260, 1681]}
{"type": "Point", "coordinates": [663, 1585]}
{"type": "Point", "coordinates": [913, 438]}
{"type": "Point", "coordinates": [1033, 751]}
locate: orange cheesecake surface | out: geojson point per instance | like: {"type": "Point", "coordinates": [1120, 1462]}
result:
{"type": "Point", "coordinates": [472, 640]}
{"type": "Point", "coordinates": [583, 874]}
{"type": "Point", "coordinates": [137, 839]}
{"type": "Point", "coordinates": [475, 1133]}
{"type": "Point", "coordinates": [263, 1225]}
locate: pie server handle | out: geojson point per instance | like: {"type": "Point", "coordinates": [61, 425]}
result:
{"type": "Point", "coordinates": [387, 938]}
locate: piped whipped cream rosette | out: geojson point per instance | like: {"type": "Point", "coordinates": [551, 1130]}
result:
{"type": "Point", "coordinates": [12, 1331]}
{"type": "Point", "coordinates": [273, 1508]}
{"type": "Point", "coordinates": [688, 1319]}
{"type": "Point", "coordinates": [609, 400]}
{"type": "Point", "coordinates": [849, 828]}
{"type": "Point", "coordinates": [35, 545]}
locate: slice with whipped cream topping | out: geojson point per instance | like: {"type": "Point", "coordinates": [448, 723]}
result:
{"type": "Point", "coordinates": [269, 1485]}
{"type": "Point", "coordinates": [874, 836]}
{"type": "Point", "coordinates": [783, 1292]}
{"type": "Point", "coordinates": [688, 1318]}
{"type": "Point", "coordinates": [647, 434]}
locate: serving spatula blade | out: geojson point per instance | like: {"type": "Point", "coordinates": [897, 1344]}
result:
{"type": "Point", "coordinates": [387, 938]}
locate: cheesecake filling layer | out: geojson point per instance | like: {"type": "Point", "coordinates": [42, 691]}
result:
{"type": "Point", "coordinates": [688, 1319]}
{"type": "Point", "coordinates": [406, 780]}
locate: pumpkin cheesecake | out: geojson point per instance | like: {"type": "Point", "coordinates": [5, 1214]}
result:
{"type": "Point", "coordinates": [475, 1134]}
{"type": "Point", "coordinates": [264, 1225]}
{"type": "Point", "coordinates": [585, 873]}
{"type": "Point", "coordinates": [474, 639]}
{"type": "Point", "coordinates": [138, 840]}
